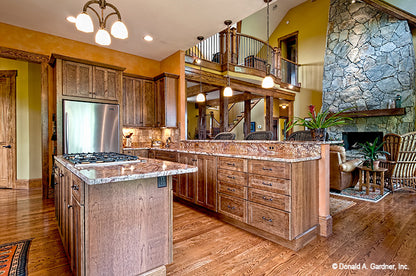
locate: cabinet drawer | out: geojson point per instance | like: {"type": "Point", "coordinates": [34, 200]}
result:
{"type": "Point", "coordinates": [235, 164]}
{"type": "Point", "coordinates": [270, 184]}
{"type": "Point", "coordinates": [166, 155]}
{"type": "Point", "coordinates": [77, 187]}
{"type": "Point", "coordinates": [232, 177]}
{"type": "Point", "coordinates": [232, 189]}
{"type": "Point", "coordinates": [269, 219]}
{"type": "Point", "coordinates": [270, 199]}
{"type": "Point", "coordinates": [232, 207]}
{"type": "Point", "coordinates": [270, 168]}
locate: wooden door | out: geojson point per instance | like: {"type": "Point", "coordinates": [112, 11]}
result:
{"type": "Point", "coordinates": [7, 128]}
{"type": "Point", "coordinates": [160, 102]}
{"type": "Point", "coordinates": [77, 79]}
{"type": "Point", "coordinates": [207, 182]}
{"type": "Point", "coordinates": [187, 182]}
{"type": "Point", "coordinates": [148, 103]}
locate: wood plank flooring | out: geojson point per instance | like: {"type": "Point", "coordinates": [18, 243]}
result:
{"type": "Point", "coordinates": [381, 233]}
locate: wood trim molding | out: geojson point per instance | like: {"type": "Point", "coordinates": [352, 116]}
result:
{"type": "Point", "coordinates": [374, 113]}
{"type": "Point", "coordinates": [94, 63]}
{"type": "Point", "coordinates": [393, 11]}
{"type": "Point", "coordinates": [22, 55]}
{"type": "Point", "coordinates": [28, 183]}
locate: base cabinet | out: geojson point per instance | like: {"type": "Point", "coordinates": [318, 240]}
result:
{"type": "Point", "coordinates": [128, 224]}
{"type": "Point", "coordinates": [206, 188]}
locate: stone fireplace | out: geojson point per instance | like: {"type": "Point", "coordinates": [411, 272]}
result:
{"type": "Point", "coordinates": [369, 60]}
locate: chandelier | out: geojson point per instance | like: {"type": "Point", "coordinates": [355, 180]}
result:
{"type": "Point", "coordinates": [84, 23]}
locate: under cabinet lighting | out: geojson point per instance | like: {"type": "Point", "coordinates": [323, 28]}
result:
{"type": "Point", "coordinates": [148, 38]}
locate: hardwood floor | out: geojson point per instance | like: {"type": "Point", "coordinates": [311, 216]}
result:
{"type": "Point", "coordinates": [381, 233]}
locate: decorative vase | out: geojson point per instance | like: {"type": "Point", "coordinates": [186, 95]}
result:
{"type": "Point", "coordinates": [376, 164]}
{"type": "Point", "coordinates": [318, 134]}
{"type": "Point", "coordinates": [128, 142]}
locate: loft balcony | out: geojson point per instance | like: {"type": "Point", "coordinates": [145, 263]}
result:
{"type": "Point", "coordinates": [247, 55]}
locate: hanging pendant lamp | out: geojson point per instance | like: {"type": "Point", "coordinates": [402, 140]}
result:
{"type": "Point", "coordinates": [200, 97]}
{"type": "Point", "coordinates": [268, 80]}
{"type": "Point", "coordinates": [228, 91]}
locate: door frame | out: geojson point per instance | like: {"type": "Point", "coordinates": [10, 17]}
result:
{"type": "Point", "coordinates": [12, 74]}
{"type": "Point", "coordinates": [46, 90]}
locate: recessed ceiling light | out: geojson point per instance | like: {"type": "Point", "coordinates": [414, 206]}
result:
{"type": "Point", "coordinates": [148, 38]}
{"type": "Point", "coordinates": [71, 19]}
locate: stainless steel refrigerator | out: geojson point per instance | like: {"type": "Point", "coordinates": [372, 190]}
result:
{"type": "Point", "coordinates": [90, 127]}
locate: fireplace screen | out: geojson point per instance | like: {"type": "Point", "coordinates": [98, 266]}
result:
{"type": "Point", "coordinates": [352, 139]}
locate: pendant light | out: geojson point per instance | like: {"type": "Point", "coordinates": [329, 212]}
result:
{"type": "Point", "coordinates": [228, 92]}
{"type": "Point", "coordinates": [268, 80]}
{"type": "Point", "coordinates": [200, 97]}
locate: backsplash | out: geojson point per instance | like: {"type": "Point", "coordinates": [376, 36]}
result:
{"type": "Point", "coordinates": [143, 137]}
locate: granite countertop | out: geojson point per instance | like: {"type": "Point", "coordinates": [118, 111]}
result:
{"type": "Point", "coordinates": [93, 174]}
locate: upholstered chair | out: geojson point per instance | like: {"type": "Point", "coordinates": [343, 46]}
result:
{"type": "Point", "coordinates": [343, 173]}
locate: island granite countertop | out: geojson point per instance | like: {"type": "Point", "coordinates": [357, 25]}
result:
{"type": "Point", "coordinates": [142, 168]}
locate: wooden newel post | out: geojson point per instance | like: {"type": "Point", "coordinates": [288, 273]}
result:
{"type": "Point", "coordinates": [223, 111]}
{"type": "Point", "coordinates": [233, 45]}
{"type": "Point", "coordinates": [278, 62]}
{"type": "Point", "coordinates": [223, 46]}
{"type": "Point", "coordinates": [268, 117]}
{"type": "Point", "coordinates": [202, 125]}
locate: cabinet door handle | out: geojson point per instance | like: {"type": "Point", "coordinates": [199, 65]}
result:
{"type": "Point", "coordinates": [231, 190]}
{"type": "Point", "coordinates": [55, 183]}
{"type": "Point", "coordinates": [266, 219]}
{"type": "Point", "coordinates": [269, 199]}
{"type": "Point", "coordinates": [75, 187]}
{"type": "Point", "coordinates": [7, 147]}
{"type": "Point", "coordinates": [69, 206]}
{"type": "Point", "coordinates": [267, 184]}
{"type": "Point", "coordinates": [194, 160]}
{"type": "Point", "coordinates": [232, 177]}
{"type": "Point", "coordinates": [231, 164]}
{"type": "Point", "coordinates": [267, 169]}
{"type": "Point", "coordinates": [231, 207]}
{"type": "Point", "coordinates": [61, 174]}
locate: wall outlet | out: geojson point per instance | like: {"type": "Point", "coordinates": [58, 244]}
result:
{"type": "Point", "coordinates": [259, 126]}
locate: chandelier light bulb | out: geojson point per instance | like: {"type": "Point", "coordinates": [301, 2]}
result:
{"type": "Point", "coordinates": [267, 82]}
{"type": "Point", "coordinates": [103, 37]}
{"type": "Point", "coordinates": [84, 23]}
{"type": "Point", "coordinates": [119, 30]}
{"type": "Point", "coordinates": [200, 98]}
{"type": "Point", "coordinates": [228, 92]}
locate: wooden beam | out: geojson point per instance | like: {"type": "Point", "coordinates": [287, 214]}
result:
{"type": "Point", "coordinates": [268, 117]}
{"type": "Point", "coordinates": [194, 90]}
{"type": "Point", "coordinates": [393, 11]}
{"type": "Point", "coordinates": [193, 74]}
{"type": "Point", "coordinates": [234, 99]}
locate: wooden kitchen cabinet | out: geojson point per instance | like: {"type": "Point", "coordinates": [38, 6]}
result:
{"type": "Point", "coordinates": [77, 79]}
{"type": "Point", "coordinates": [166, 90]}
{"type": "Point", "coordinates": [88, 81]}
{"type": "Point", "coordinates": [105, 83]}
{"type": "Point", "coordinates": [206, 188]}
{"type": "Point", "coordinates": [187, 182]}
{"type": "Point", "coordinates": [148, 107]}
{"type": "Point", "coordinates": [132, 101]}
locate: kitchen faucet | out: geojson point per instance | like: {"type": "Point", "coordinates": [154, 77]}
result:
{"type": "Point", "coordinates": [168, 141]}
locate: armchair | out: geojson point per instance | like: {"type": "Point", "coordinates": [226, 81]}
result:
{"type": "Point", "coordinates": [343, 173]}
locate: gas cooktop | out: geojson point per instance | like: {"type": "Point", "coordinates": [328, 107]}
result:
{"type": "Point", "coordinates": [98, 157]}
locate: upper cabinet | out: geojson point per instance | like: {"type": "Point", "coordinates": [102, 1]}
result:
{"type": "Point", "coordinates": [150, 102]}
{"type": "Point", "coordinates": [89, 80]}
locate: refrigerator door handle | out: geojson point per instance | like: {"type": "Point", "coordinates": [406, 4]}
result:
{"type": "Point", "coordinates": [66, 133]}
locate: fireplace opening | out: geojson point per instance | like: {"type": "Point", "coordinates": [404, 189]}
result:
{"type": "Point", "coordinates": [352, 139]}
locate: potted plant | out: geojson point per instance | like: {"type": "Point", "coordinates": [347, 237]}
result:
{"type": "Point", "coordinates": [371, 152]}
{"type": "Point", "coordinates": [319, 122]}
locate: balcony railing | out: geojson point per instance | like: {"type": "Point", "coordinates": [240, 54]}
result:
{"type": "Point", "coordinates": [246, 51]}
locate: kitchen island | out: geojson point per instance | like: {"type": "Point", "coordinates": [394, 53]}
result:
{"type": "Point", "coordinates": [116, 218]}
{"type": "Point", "coordinates": [277, 190]}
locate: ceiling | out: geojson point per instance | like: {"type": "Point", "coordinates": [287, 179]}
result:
{"type": "Point", "coordinates": [173, 24]}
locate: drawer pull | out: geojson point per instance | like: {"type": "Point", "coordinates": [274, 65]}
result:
{"type": "Point", "coordinates": [231, 190]}
{"type": "Point", "coordinates": [194, 160]}
{"type": "Point", "coordinates": [55, 183]}
{"type": "Point", "coordinates": [269, 199]}
{"type": "Point", "coordinates": [69, 206]}
{"type": "Point", "coordinates": [266, 219]}
{"type": "Point", "coordinates": [231, 207]}
{"type": "Point", "coordinates": [267, 169]}
{"type": "Point", "coordinates": [61, 174]}
{"type": "Point", "coordinates": [75, 187]}
{"type": "Point", "coordinates": [231, 164]}
{"type": "Point", "coordinates": [267, 184]}
{"type": "Point", "coordinates": [232, 177]}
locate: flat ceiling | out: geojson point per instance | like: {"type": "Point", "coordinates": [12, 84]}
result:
{"type": "Point", "coordinates": [173, 24]}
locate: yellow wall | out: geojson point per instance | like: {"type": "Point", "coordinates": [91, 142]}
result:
{"type": "Point", "coordinates": [41, 43]}
{"type": "Point", "coordinates": [310, 19]}
{"type": "Point", "coordinates": [28, 117]}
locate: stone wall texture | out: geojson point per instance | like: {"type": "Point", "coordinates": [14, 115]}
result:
{"type": "Point", "coordinates": [369, 59]}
